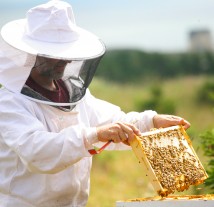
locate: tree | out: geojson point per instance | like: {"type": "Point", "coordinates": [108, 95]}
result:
{"type": "Point", "coordinates": [206, 93]}
{"type": "Point", "coordinates": [156, 102]}
{"type": "Point", "coordinates": [208, 145]}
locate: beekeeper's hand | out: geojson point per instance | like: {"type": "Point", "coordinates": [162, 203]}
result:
{"type": "Point", "coordinates": [117, 132]}
{"type": "Point", "coordinates": [162, 120]}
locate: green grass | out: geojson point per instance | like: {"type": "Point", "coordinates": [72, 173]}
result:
{"type": "Point", "coordinates": [118, 175]}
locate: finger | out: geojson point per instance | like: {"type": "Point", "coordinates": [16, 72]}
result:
{"type": "Point", "coordinates": [185, 124]}
{"type": "Point", "coordinates": [122, 135]}
{"type": "Point", "coordinates": [116, 133]}
{"type": "Point", "coordinates": [114, 136]}
{"type": "Point", "coordinates": [129, 130]}
{"type": "Point", "coordinates": [133, 128]}
{"type": "Point", "coordinates": [126, 143]}
{"type": "Point", "coordinates": [116, 139]}
{"type": "Point", "coordinates": [108, 133]}
{"type": "Point", "coordinates": [181, 121]}
{"type": "Point", "coordinates": [176, 120]}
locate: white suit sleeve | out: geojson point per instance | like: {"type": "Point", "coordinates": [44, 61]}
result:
{"type": "Point", "coordinates": [40, 150]}
{"type": "Point", "coordinates": [102, 112]}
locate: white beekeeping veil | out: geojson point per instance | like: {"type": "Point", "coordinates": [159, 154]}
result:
{"type": "Point", "coordinates": [49, 30]}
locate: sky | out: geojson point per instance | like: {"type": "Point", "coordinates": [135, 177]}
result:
{"type": "Point", "coordinates": [149, 25]}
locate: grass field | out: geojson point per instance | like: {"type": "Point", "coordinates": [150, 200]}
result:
{"type": "Point", "coordinates": [118, 175]}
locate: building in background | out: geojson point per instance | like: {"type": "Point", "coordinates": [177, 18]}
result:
{"type": "Point", "coordinates": [201, 41]}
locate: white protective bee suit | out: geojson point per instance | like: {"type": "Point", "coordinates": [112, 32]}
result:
{"type": "Point", "coordinates": [44, 158]}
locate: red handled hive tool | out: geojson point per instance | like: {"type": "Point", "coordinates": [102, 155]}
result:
{"type": "Point", "coordinates": [95, 152]}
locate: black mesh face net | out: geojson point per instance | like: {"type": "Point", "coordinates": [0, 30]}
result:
{"type": "Point", "coordinates": [79, 81]}
{"type": "Point", "coordinates": [76, 76]}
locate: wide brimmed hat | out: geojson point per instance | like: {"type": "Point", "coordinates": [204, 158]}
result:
{"type": "Point", "coordinates": [50, 30]}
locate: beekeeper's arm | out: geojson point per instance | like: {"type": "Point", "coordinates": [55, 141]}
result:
{"type": "Point", "coordinates": [113, 124]}
{"type": "Point", "coordinates": [39, 149]}
{"type": "Point", "coordinates": [117, 126]}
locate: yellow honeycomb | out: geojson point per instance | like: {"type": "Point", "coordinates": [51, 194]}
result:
{"type": "Point", "coordinates": [170, 159]}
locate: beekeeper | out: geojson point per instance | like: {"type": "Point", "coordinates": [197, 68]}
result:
{"type": "Point", "coordinates": [49, 121]}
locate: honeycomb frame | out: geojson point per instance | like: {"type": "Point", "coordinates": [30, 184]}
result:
{"type": "Point", "coordinates": [170, 160]}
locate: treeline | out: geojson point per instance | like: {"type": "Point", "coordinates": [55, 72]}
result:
{"type": "Point", "coordinates": [131, 65]}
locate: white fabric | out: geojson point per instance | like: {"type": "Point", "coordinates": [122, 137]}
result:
{"type": "Point", "coordinates": [49, 29]}
{"type": "Point", "coordinates": [44, 22]}
{"type": "Point", "coordinates": [15, 67]}
{"type": "Point", "coordinates": [44, 159]}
